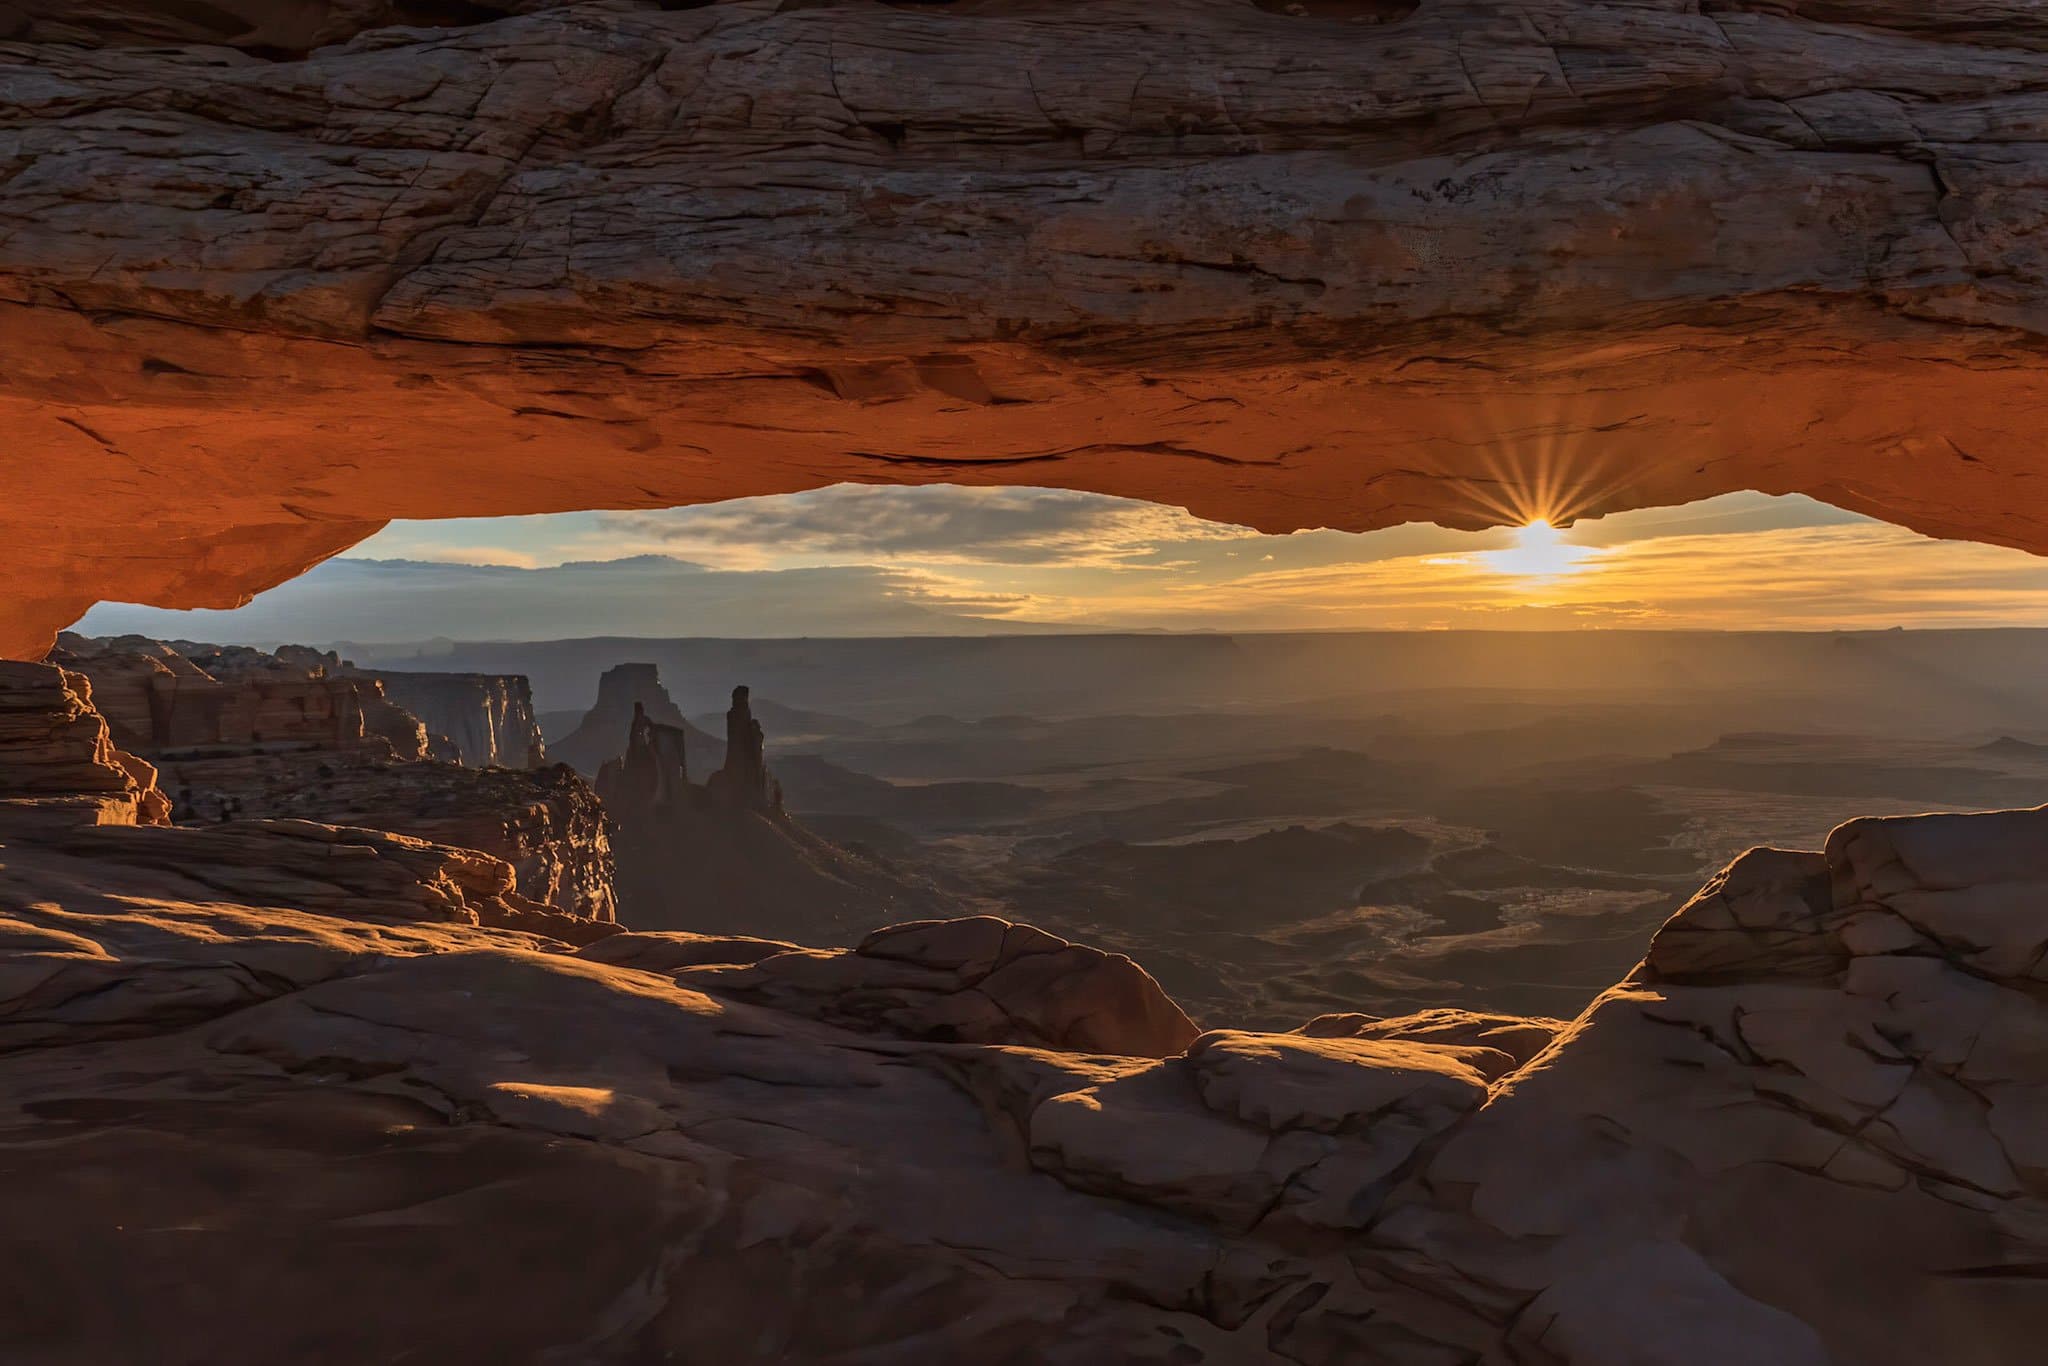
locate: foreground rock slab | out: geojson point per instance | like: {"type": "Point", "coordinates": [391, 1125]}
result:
{"type": "Point", "coordinates": [1807, 1129]}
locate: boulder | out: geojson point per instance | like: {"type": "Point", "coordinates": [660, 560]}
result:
{"type": "Point", "coordinates": [977, 980]}
{"type": "Point", "coordinates": [1498, 1043]}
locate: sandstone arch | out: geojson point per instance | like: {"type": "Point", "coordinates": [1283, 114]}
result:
{"type": "Point", "coordinates": [1283, 269]}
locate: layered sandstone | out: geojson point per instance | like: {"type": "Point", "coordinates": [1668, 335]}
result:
{"type": "Point", "coordinates": [58, 762]}
{"type": "Point", "coordinates": [1283, 266]}
{"type": "Point", "coordinates": [161, 696]}
{"type": "Point", "coordinates": [1805, 1130]}
{"type": "Point", "coordinates": [482, 720]}
{"type": "Point", "coordinates": [546, 824]}
{"type": "Point", "coordinates": [246, 734]}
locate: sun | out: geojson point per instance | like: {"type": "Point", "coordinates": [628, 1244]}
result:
{"type": "Point", "coordinates": [1540, 552]}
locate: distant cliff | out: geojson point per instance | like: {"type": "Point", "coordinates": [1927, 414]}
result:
{"type": "Point", "coordinates": [487, 720]}
{"type": "Point", "coordinates": [245, 734]}
{"type": "Point", "coordinates": [622, 691]}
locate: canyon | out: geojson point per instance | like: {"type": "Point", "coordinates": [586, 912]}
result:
{"type": "Point", "coordinates": [238, 734]}
{"type": "Point", "coordinates": [1803, 1129]}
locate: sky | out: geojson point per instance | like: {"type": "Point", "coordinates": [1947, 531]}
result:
{"type": "Point", "coordinates": [867, 560]}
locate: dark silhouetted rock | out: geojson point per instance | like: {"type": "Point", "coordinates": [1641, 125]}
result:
{"type": "Point", "coordinates": [483, 720]}
{"type": "Point", "coordinates": [743, 781]}
{"type": "Point", "coordinates": [623, 691]}
{"type": "Point", "coordinates": [723, 857]}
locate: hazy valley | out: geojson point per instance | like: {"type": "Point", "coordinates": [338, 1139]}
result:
{"type": "Point", "coordinates": [1282, 826]}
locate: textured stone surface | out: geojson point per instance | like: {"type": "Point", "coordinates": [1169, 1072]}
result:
{"type": "Point", "coordinates": [298, 734]}
{"type": "Point", "coordinates": [546, 823]}
{"type": "Point", "coordinates": [481, 720]}
{"type": "Point", "coordinates": [978, 980]}
{"type": "Point", "coordinates": [1282, 268]}
{"type": "Point", "coordinates": [1807, 1130]}
{"type": "Point", "coordinates": [58, 762]}
{"type": "Point", "coordinates": [1497, 1044]}
{"type": "Point", "coordinates": [323, 869]}
{"type": "Point", "coordinates": [162, 696]}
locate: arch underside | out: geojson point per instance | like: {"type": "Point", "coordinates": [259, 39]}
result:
{"type": "Point", "coordinates": [1484, 262]}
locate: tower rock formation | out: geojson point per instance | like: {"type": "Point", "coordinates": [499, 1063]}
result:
{"type": "Point", "coordinates": [743, 780]}
{"type": "Point", "coordinates": [724, 857]}
{"type": "Point", "coordinates": [650, 782]}
{"type": "Point", "coordinates": [625, 692]}
{"type": "Point", "coordinates": [1341, 264]}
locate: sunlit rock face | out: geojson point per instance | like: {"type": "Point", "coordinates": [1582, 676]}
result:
{"type": "Point", "coordinates": [207, 698]}
{"type": "Point", "coordinates": [235, 733]}
{"type": "Point", "coordinates": [59, 765]}
{"type": "Point", "coordinates": [1351, 266]}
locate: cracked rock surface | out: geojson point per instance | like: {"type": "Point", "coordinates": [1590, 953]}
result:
{"type": "Point", "coordinates": [292, 273]}
{"type": "Point", "coordinates": [1807, 1129]}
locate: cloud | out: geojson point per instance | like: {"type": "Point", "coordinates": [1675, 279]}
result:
{"type": "Point", "coordinates": [1798, 578]}
{"type": "Point", "coordinates": [408, 600]}
{"type": "Point", "coordinates": [886, 561]}
{"type": "Point", "coordinates": [935, 524]}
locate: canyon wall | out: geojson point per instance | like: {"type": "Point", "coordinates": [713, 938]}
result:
{"type": "Point", "coordinates": [162, 695]}
{"type": "Point", "coordinates": [1343, 265]}
{"type": "Point", "coordinates": [58, 762]}
{"type": "Point", "coordinates": [243, 734]}
{"type": "Point", "coordinates": [487, 720]}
